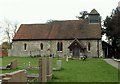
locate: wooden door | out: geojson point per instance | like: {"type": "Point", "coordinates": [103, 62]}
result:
{"type": "Point", "coordinates": [76, 51]}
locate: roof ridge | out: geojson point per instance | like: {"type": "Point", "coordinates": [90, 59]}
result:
{"type": "Point", "coordinates": [53, 21]}
{"type": "Point", "coordinates": [35, 24]}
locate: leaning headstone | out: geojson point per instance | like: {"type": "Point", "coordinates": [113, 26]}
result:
{"type": "Point", "coordinates": [14, 64]}
{"type": "Point", "coordinates": [49, 68]}
{"type": "Point", "coordinates": [42, 70]}
{"type": "Point", "coordinates": [58, 65]}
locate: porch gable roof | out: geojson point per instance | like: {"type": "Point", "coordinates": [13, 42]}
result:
{"type": "Point", "coordinates": [77, 43]}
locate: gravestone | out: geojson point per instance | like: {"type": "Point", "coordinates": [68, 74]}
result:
{"type": "Point", "coordinates": [14, 64]}
{"type": "Point", "coordinates": [66, 58]}
{"type": "Point", "coordinates": [42, 69]}
{"type": "Point", "coordinates": [19, 76]}
{"type": "Point", "coordinates": [49, 68]}
{"type": "Point", "coordinates": [58, 65]}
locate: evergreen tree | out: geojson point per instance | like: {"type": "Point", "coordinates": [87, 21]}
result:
{"type": "Point", "coordinates": [112, 30]}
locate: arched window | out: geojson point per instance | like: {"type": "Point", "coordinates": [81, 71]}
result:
{"type": "Point", "coordinates": [89, 46]}
{"type": "Point", "coordinates": [59, 46]}
{"type": "Point", "coordinates": [25, 46]}
{"type": "Point", "coordinates": [41, 46]}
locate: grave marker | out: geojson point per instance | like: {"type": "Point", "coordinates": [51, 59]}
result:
{"type": "Point", "coordinates": [66, 58]}
{"type": "Point", "coordinates": [42, 69]}
{"type": "Point", "coordinates": [58, 65]}
{"type": "Point", "coordinates": [49, 68]}
{"type": "Point", "coordinates": [14, 64]}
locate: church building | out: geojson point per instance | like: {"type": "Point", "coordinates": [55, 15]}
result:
{"type": "Point", "coordinates": [60, 38]}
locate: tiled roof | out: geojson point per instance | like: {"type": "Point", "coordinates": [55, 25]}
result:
{"type": "Point", "coordinates": [94, 11]}
{"type": "Point", "coordinates": [68, 29]}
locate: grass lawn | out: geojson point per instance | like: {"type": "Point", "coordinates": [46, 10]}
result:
{"type": "Point", "coordinates": [90, 70]}
{"type": "Point", "coordinates": [22, 63]}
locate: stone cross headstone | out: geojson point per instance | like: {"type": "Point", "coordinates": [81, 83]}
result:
{"type": "Point", "coordinates": [58, 65]}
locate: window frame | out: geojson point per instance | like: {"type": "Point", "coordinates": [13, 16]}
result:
{"type": "Point", "coordinates": [59, 46]}
{"type": "Point", "coordinates": [41, 46]}
{"type": "Point", "coordinates": [89, 47]}
{"type": "Point", "coordinates": [25, 46]}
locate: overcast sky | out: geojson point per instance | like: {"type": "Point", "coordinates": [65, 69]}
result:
{"type": "Point", "coordinates": [39, 11]}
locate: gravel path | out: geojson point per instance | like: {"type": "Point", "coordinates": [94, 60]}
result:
{"type": "Point", "coordinates": [113, 63]}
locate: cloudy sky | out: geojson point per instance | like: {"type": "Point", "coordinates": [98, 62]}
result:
{"type": "Point", "coordinates": [39, 11]}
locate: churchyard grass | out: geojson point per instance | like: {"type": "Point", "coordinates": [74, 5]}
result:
{"type": "Point", "coordinates": [90, 70]}
{"type": "Point", "coordinates": [22, 63]}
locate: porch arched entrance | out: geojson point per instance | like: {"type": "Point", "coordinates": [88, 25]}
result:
{"type": "Point", "coordinates": [77, 48]}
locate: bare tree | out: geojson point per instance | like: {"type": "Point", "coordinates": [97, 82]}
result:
{"type": "Point", "coordinates": [14, 29]}
{"type": "Point", "coordinates": [9, 29]}
{"type": "Point", "coordinates": [83, 15]}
